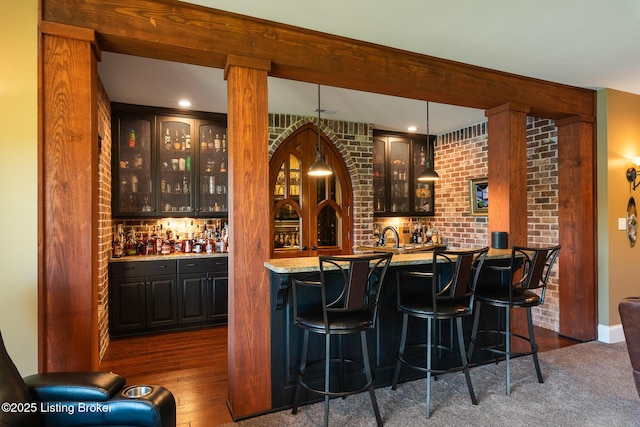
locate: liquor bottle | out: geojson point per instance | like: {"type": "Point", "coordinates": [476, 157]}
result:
{"type": "Point", "coordinates": [167, 140]}
{"type": "Point", "coordinates": [132, 138]}
{"type": "Point", "coordinates": [177, 244]}
{"type": "Point", "coordinates": [429, 233]}
{"type": "Point", "coordinates": [188, 163]}
{"type": "Point", "coordinates": [203, 143]}
{"type": "Point", "coordinates": [176, 142]}
{"type": "Point", "coordinates": [117, 250]}
{"type": "Point", "coordinates": [132, 245]}
{"type": "Point", "coordinates": [210, 142]}
{"type": "Point", "coordinates": [151, 244]}
{"type": "Point", "coordinates": [224, 143]}
{"type": "Point", "coordinates": [217, 143]}
{"type": "Point", "coordinates": [183, 141]}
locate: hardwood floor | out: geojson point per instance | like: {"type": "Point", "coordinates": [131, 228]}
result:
{"type": "Point", "coordinates": [193, 365]}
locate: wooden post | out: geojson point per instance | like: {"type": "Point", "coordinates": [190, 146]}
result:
{"type": "Point", "coordinates": [577, 227]}
{"type": "Point", "coordinates": [68, 199]}
{"type": "Point", "coordinates": [507, 164]}
{"type": "Point", "coordinates": [249, 379]}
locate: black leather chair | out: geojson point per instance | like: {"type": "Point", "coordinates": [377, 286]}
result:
{"type": "Point", "coordinates": [444, 293]}
{"type": "Point", "coordinates": [347, 300]}
{"type": "Point", "coordinates": [629, 309]}
{"type": "Point", "coordinates": [521, 284]}
{"type": "Point", "coordinates": [69, 399]}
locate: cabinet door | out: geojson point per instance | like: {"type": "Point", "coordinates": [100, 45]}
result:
{"type": "Point", "coordinates": [175, 160]}
{"type": "Point", "coordinates": [192, 298]}
{"type": "Point", "coordinates": [212, 169]}
{"type": "Point", "coordinates": [161, 301]}
{"type": "Point", "coordinates": [380, 195]}
{"type": "Point", "coordinates": [423, 197]}
{"type": "Point", "coordinates": [133, 165]}
{"type": "Point", "coordinates": [127, 305]}
{"type": "Point", "coordinates": [218, 297]}
{"type": "Point", "coordinates": [399, 161]}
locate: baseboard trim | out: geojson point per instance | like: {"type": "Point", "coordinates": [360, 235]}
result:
{"type": "Point", "coordinates": [610, 334]}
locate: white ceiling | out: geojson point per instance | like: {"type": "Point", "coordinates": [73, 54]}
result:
{"type": "Point", "coordinates": [586, 43]}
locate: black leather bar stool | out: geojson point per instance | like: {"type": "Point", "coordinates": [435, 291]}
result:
{"type": "Point", "coordinates": [347, 300]}
{"type": "Point", "coordinates": [528, 274]}
{"type": "Point", "coordinates": [445, 293]}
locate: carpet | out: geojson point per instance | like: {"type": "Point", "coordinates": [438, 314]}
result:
{"type": "Point", "coordinates": [588, 384]}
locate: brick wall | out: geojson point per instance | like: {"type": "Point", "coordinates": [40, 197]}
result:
{"type": "Point", "coordinates": [462, 155]}
{"type": "Point", "coordinates": [542, 200]}
{"type": "Point", "coordinates": [104, 218]}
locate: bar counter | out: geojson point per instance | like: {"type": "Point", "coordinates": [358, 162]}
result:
{"type": "Point", "coordinates": [384, 340]}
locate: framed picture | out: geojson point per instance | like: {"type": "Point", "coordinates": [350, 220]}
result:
{"type": "Point", "coordinates": [479, 196]}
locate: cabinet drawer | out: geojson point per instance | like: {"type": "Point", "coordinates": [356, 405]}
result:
{"type": "Point", "coordinates": [202, 265]}
{"type": "Point", "coordinates": [143, 268]}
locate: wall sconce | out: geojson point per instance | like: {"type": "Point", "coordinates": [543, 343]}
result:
{"type": "Point", "coordinates": [632, 173]}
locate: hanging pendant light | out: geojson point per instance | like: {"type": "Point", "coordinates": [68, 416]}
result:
{"type": "Point", "coordinates": [428, 174]}
{"type": "Point", "coordinates": [319, 167]}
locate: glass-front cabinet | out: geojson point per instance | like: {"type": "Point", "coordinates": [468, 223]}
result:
{"type": "Point", "coordinates": [133, 171]}
{"type": "Point", "coordinates": [311, 215]}
{"type": "Point", "coordinates": [168, 163]}
{"type": "Point", "coordinates": [176, 159]}
{"type": "Point", "coordinates": [212, 148]}
{"type": "Point", "coordinates": [398, 159]}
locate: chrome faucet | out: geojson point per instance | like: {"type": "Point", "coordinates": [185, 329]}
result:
{"type": "Point", "coordinates": [382, 242]}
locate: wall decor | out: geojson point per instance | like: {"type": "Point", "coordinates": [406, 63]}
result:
{"type": "Point", "coordinates": [632, 222]}
{"type": "Point", "coordinates": [479, 196]}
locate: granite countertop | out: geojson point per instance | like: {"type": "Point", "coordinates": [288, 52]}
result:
{"type": "Point", "coordinates": [136, 258]}
{"type": "Point", "coordinates": [310, 264]}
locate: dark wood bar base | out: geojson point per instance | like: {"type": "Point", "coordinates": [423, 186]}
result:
{"type": "Point", "coordinates": [383, 341]}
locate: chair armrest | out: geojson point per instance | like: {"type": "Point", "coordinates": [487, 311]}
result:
{"type": "Point", "coordinates": [155, 409]}
{"type": "Point", "coordinates": [74, 386]}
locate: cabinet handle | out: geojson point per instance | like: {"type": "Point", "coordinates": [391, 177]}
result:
{"type": "Point", "coordinates": [161, 266]}
{"type": "Point", "coordinates": [193, 264]}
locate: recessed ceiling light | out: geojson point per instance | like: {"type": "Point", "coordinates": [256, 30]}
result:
{"type": "Point", "coordinates": [412, 128]}
{"type": "Point", "coordinates": [184, 103]}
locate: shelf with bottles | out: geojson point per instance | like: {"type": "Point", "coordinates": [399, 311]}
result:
{"type": "Point", "coordinates": [213, 194]}
{"type": "Point", "coordinates": [287, 234]}
{"type": "Point", "coordinates": [163, 149]}
{"type": "Point", "coordinates": [398, 160]}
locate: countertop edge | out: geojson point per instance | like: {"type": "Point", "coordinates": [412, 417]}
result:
{"type": "Point", "coordinates": [310, 264]}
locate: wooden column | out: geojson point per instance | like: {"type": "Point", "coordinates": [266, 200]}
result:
{"type": "Point", "coordinates": [68, 199]}
{"type": "Point", "coordinates": [577, 227]}
{"type": "Point", "coordinates": [249, 380]}
{"type": "Point", "coordinates": [507, 164]}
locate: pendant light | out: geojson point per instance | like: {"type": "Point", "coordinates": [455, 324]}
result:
{"type": "Point", "coordinates": [319, 167]}
{"type": "Point", "coordinates": [428, 174]}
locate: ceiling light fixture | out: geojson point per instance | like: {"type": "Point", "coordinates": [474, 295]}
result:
{"type": "Point", "coordinates": [184, 103]}
{"type": "Point", "coordinates": [319, 167]}
{"type": "Point", "coordinates": [428, 174]}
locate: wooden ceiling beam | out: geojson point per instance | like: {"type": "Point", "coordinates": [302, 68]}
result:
{"type": "Point", "coordinates": [177, 31]}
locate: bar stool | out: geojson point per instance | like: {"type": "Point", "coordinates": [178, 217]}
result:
{"type": "Point", "coordinates": [528, 274]}
{"type": "Point", "coordinates": [445, 293]}
{"type": "Point", "coordinates": [347, 299]}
